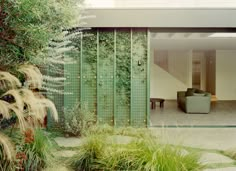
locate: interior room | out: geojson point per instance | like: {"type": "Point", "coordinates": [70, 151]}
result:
{"type": "Point", "coordinates": [204, 61]}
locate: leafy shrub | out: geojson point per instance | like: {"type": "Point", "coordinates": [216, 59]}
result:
{"type": "Point", "coordinates": [27, 26]}
{"type": "Point", "coordinates": [78, 120]}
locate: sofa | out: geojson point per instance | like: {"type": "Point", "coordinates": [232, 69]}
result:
{"type": "Point", "coordinates": [194, 101]}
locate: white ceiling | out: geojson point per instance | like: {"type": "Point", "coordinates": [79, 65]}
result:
{"type": "Point", "coordinates": [190, 41]}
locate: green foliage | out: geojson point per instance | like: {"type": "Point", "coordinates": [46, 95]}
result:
{"type": "Point", "coordinates": [78, 120]}
{"type": "Point", "coordinates": [106, 46]}
{"type": "Point", "coordinates": [123, 63]}
{"type": "Point", "coordinates": [33, 151]}
{"type": "Point", "coordinates": [148, 155]}
{"type": "Point", "coordinates": [27, 26]}
{"type": "Point", "coordinates": [123, 76]}
{"type": "Point", "coordinates": [105, 129]}
{"type": "Point", "coordinates": [38, 151]}
{"type": "Point", "coordinates": [231, 153]}
{"type": "Point", "coordinates": [90, 51]}
{"type": "Point", "coordinates": [107, 63]}
{"type": "Point", "coordinates": [139, 53]}
{"type": "Point", "coordinates": [106, 53]}
{"type": "Point", "coordinates": [98, 153]}
{"type": "Point", "coordinates": [89, 69]}
{"type": "Point", "coordinates": [106, 75]}
{"type": "Point", "coordinates": [88, 153]}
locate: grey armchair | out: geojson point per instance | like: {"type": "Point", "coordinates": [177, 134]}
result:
{"type": "Point", "coordinates": [197, 101]}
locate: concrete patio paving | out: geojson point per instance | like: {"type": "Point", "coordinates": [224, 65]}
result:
{"type": "Point", "coordinates": [205, 138]}
{"type": "Point", "coordinates": [209, 140]}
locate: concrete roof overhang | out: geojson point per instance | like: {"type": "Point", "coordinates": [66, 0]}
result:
{"type": "Point", "coordinates": [163, 18]}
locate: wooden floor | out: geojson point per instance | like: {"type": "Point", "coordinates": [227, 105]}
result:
{"type": "Point", "coordinates": [223, 113]}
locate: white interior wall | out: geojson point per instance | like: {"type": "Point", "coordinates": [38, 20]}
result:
{"type": "Point", "coordinates": [165, 85]}
{"type": "Point", "coordinates": [225, 74]}
{"type": "Point", "coordinates": [178, 62]}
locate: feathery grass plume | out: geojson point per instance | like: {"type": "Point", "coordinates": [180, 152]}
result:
{"type": "Point", "coordinates": [36, 105]}
{"type": "Point", "coordinates": [33, 107]}
{"type": "Point", "coordinates": [19, 104]}
{"type": "Point", "coordinates": [8, 80]}
{"type": "Point", "coordinates": [5, 109]}
{"type": "Point", "coordinates": [20, 117]}
{"type": "Point", "coordinates": [49, 104]}
{"type": "Point", "coordinates": [7, 148]}
{"type": "Point", "coordinates": [21, 100]}
{"type": "Point", "coordinates": [27, 105]}
{"type": "Point", "coordinates": [8, 109]}
{"type": "Point", "coordinates": [33, 75]}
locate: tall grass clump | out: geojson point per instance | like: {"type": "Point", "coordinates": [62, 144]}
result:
{"type": "Point", "coordinates": [98, 153]}
{"type": "Point", "coordinates": [230, 153]}
{"type": "Point", "coordinates": [106, 129]}
{"type": "Point", "coordinates": [7, 153]}
{"type": "Point", "coordinates": [147, 154]}
{"type": "Point", "coordinates": [89, 153]}
{"type": "Point", "coordinates": [38, 150]}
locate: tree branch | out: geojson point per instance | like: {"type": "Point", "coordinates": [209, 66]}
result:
{"type": "Point", "coordinates": [2, 6]}
{"type": "Point", "coordinates": [9, 41]}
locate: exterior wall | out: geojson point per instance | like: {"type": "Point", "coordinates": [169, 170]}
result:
{"type": "Point", "coordinates": [162, 18]}
{"type": "Point", "coordinates": [225, 74]}
{"type": "Point", "coordinates": [111, 76]}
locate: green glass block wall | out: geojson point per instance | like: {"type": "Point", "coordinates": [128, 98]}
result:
{"type": "Point", "coordinates": [110, 75]}
{"type": "Point", "coordinates": [139, 78]}
{"type": "Point", "coordinates": [105, 72]}
{"type": "Point", "coordinates": [72, 75]}
{"type": "Point", "coordinates": [55, 92]}
{"type": "Point", "coordinates": [89, 69]}
{"type": "Point", "coordinates": [123, 76]}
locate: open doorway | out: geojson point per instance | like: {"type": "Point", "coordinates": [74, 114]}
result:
{"type": "Point", "coordinates": [204, 70]}
{"type": "Point", "coordinates": [202, 60]}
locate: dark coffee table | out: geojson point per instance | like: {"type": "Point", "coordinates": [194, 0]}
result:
{"type": "Point", "coordinates": [154, 100]}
